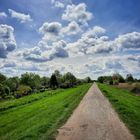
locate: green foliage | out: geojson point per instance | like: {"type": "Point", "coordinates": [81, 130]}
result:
{"type": "Point", "coordinates": [126, 104]}
{"type": "Point", "coordinates": [45, 81]}
{"type": "Point", "coordinates": [69, 80]}
{"type": "Point", "coordinates": [53, 81]}
{"type": "Point", "coordinates": [12, 83]}
{"type": "Point", "coordinates": [129, 78]}
{"type": "Point", "coordinates": [2, 78]}
{"type": "Point", "coordinates": [4, 91]}
{"type": "Point", "coordinates": [115, 78]}
{"type": "Point", "coordinates": [58, 77]}
{"type": "Point", "coordinates": [31, 79]}
{"type": "Point", "coordinates": [39, 116]}
{"type": "Point", "coordinates": [18, 87]}
{"type": "Point", "coordinates": [23, 90]}
{"type": "Point", "coordinates": [88, 80]}
{"type": "Point", "coordinates": [101, 79]}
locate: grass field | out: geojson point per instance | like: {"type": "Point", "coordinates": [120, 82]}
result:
{"type": "Point", "coordinates": [38, 116]}
{"type": "Point", "coordinates": [126, 104]}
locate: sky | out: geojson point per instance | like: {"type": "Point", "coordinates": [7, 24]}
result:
{"type": "Point", "coordinates": [85, 37]}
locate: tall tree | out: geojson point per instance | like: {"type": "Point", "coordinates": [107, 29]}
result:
{"type": "Point", "coordinates": [2, 78]}
{"type": "Point", "coordinates": [31, 79]}
{"type": "Point", "coordinates": [69, 79]}
{"type": "Point", "coordinates": [53, 81]}
{"type": "Point", "coordinates": [129, 78]}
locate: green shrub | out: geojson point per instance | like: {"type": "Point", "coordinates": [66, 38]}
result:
{"type": "Point", "coordinates": [23, 90]}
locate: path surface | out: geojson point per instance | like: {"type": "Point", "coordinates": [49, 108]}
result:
{"type": "Point", "coordinates": [94, 119]}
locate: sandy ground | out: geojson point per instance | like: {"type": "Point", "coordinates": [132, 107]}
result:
{"type": "Point", "coordinates": [94, 119]}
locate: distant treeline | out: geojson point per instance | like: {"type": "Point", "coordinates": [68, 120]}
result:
{"type": "Point", "coordinates": [29, 83]}
{"type": "Point", "coordinates": [116, 79]}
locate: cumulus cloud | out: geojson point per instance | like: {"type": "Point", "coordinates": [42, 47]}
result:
{"type": "Point", "coordinates": [94, 41]}
{"type": "Point", "coordinates": [90, 42]}
{"type": "Point", "coordinates": [72, 29]}
{"type": "Point", "coordinates": [128, 41]}
{"type": "Point", "coordinates": [7, 40]}
{"type": "Point", "coordinates": [77, 13]}
{"type": "Point", "coordinates": [3, 15]}
{"type": "Point", "coordinates": [51, 31]}
{"type": "Point", "coordinates": [20, 16]}
{"type": "Point", "coordinates": [57, 4]}
{"type": "Point", "coordinates": [42, 54]}
{"type": "Point", "coordinates": [60, 3]}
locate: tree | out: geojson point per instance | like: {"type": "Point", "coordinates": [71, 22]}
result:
{"type": "Point", "coordinates": [2, 78]}
{"type": "Point", "coordinates": [31, 79]}
{"type": "Point", "coordinates": [45, 81]}
{"type": "Point", "coordinates": [129, 78]}
{"type": "Point", "coordinates": [12, 83]}
{"type": "Point", "coordinates": [53, 81]}
{"type": "Point", "coordinates": [4, 91]}
{"type": "Point", "coordinates": [58, 77]}
{"type": "Point", "coordinates": [23, 90]}
{"type": "Point", "coordinates": [69, 79]}
{"type": "Point", "coordinates": [118, 78]}
{"type": "Point", "coordinates": [101, 79]}
{"type": "Point", "coordinates": [88, 80]}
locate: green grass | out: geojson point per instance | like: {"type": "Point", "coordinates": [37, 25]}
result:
{"type": "Point", "coordinates": [38, 116]}
{"type": "Point", "coordinates": [126, 104]}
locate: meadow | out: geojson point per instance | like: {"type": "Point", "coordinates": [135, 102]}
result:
{"type": "Point", "coordinates": [38, 116]}
{"type": "Point", "coordinates": [126, 104]}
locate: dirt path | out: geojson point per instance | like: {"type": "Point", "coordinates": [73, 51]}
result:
{"type": "Point", "coordinates": [94, 119]}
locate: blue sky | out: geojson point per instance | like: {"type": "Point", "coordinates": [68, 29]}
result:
{"type": "Point", "coordinates": [100, 36]}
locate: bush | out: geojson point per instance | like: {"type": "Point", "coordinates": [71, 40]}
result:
{"type": "Point", "coordinates": [136, 89]}
{"type": "Point", "coordinates": [111, 82]}
{"type": "Point", "coordinates": [4, 91]}
{"type": "Point", "coordinates": [23, 90]}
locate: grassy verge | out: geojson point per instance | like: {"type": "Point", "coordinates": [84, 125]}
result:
{"type": "Point", "coordinates": [38, 116]}
{"type": "Point", "coordinates": [126, 104]}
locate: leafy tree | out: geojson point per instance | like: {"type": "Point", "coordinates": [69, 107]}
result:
{"type": "Point", "coordinates": [31, 79]}
{"type": "Point", "coordinates": [2, 78]}
{"type": "Point", "coordinates": [88, 80]}
{"type": "Point", "coordinates": [23, 90]}
{"type": "Point", "coordinates": [53, 81]}
{"type": "Point", "coordinates": [101, 79]}
{"type": "Point", "coordinates": [12, 83]}
{"type": "Point", "coordinates": [129, 78]}
{"type": "Point", "coordinates": [58, 77]}
{"type": "Point", "coordinates": [111, 82]}
{"type": "Point", "coordinates": [4, 91]}
{"type": "Point", "coordinates": [45, 81]}
{"type": "Point", "coordinates": [69, 79]}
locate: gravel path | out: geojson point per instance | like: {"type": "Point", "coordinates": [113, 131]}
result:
{"type": "Point", "coordinates": [94, 119]}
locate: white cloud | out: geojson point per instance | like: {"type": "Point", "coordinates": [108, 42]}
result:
{"type": "Point", "coordinates": [77, 13]}
{"type": "Point", "coordinates": [51, 31]}
{"type": "Point", "coordinates": [128, 41]}
{"type": "Point", "coordinates": [3, 15]}
{"type": "Point", "coordinates": [90, 42]}
{"type": "Point", "coordinates": [7, 40]}
{"type": "Point", "coordinates": [42, 54]}
{"type": "Point", "coordinates": [72, 29]}
{"type": "Point", "coordinates": [95, 42]}
{"type": "Point", "coordinates": [20, 16]}
{"type": "Point", "coordinates": [58, 4]}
